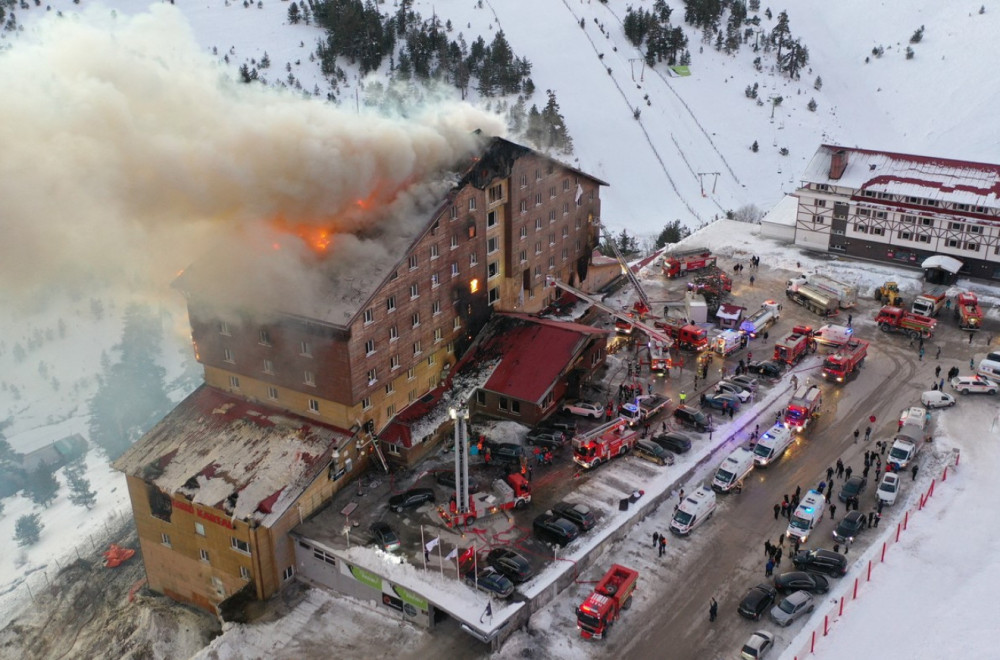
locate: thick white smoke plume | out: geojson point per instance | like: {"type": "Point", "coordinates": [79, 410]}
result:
{"type": "Point", "coordinates": [127, 151]}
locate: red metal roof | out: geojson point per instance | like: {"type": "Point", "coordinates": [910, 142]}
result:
{"type": "Point", "coordinates": [534, 353]}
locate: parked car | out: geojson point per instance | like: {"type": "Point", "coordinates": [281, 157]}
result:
{"type": "Point", "coordinates": [720, 400]}
{"type": "Point", "coordinates": [758, 646]}
{"type": "Point", "coordinates": [552, 529]}
{"type": "Point", "coordinates": [447, 479]}
{"type": "Point", "coordinates": [693, 418]}
{"type": "Point", "coordinates": [937, 399]}
{"type": "Point", "coordinates": [746, 382]}
{"type": "Point", "coordinates": [491, 581]}
{"type": "Point", "coordinates": [384, 536]}
{"type": "Point", "coordinates": [731, 387]}
{"type": "Point", "coordinates": [505, 452]}
{"type": "Point", "coordinates": [766, 368]}
{"type": "Point", "coordinates": [853, 487]}
{"type": "Point", "coordinates": [793, 606]}
{"type": "Point", "coordinates": [801, 581]}
{"type": "Point", "coordinates": [566, 426]}
{"type": "Point", "coordinates": [849, 528]}
{"type": "Point", "coordinates": [756, 601]}
{"type": "Point", "coordinates": [411, 499]}
{"type": "Point", "coordinates": [674, 441]}
{"type": "Point", "coordinates": [580, 515]}
{"type": "Point", "coordinates": [584, 409]}
{"type": "Point", "coordinates": [888, 489]}
{"type": "Point", "coordinates": [827, 562]}
{"type": "Point", "coordinates": [973, 385]}
{"type": "Point", "coordinates": [549, 439]}
{"type": "Point", "coordinates": [512, 564]}
{"type": "Point", "coordinates": [652, 452]}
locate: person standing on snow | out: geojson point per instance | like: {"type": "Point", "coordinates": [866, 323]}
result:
{"type": "Point", "coordinates": [713, 610]}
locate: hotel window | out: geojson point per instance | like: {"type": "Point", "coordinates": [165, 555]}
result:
{"type": "Point", "coordinates": [268, 367]}
{"type": "Point", "coordinates": [287, 574]}
{"type": "Point", "coordinates": [227, 355]}
{"type": "Point", "coordinates": [481, 397]}
{"type": "Point", "coordinates": [390, 411]}
{"type": "Point", "coordinates": [864, 213]}
{"type": "Point", "coordinates": [495, 193]}
{"type": "Point", "coordinates": [435, 280]}
{"type": "Point", "coordinates": [909, 219]}
{"type": "Point", "coordinates": [523, 233]}
{"type": "Point", "coordinates": [450, 347]}
{"type": "Point", "coordinates": [204, 555]}
{"type": "Point", "coordinates": [491, 219]}
{"type": "Point", "coordinates": [265, 337]}
{"type": "Point", "coordinates": [494, 295]}
{"type": "Point", "coordinates": [820, 202]}
{"type": "Point", "coordinates": [417, 349]}
{"type": "Point", "coordinates": [957, 226]}
{"type": "Point", "coordinates": [492, 245]}
{"type": "Point", "coordinates": [904, 235]}
{"type": "Point", "coordinates": [454, 241]}
{"type": "Point", "coordinates": [239, 545]}
{"type": "Point", "coordinates": [524, 180]}
{"type": "Point", "coordinates": [431, 360]}
{"type": "Point", "coordinates": [390, 304]}
{"type": "Point", "coordinates": [515, 407]}
{"type": "Point", "coordinates": [454, 213]}
{"type": "Point", "coordinates": [309, 378]}
{"type": "Point", "coordinates": [389, 389]}
{"type": "Point", "coordinates": [472, 204]}
{"type": "Point", "coordinates": [538, 247]}
{"type": "Point", "coordinates": [538, 199]}
{"type": "Point", "coordinates": [411, 396]}
{"type": "Point", "coordinates": [456, 323]}
{"type": "Point", "coordinates": [565, 254]}
{"type": "Point", "coordinates": [165, 539]}
{"type": "Point", "coordinates": [414, 291]}
{"type": "Point", "coordinates": [552, 263]}
{"type": "Point", "coordinates": [492, 269]}
{"type": "Point", "coordinates": [974, 229]}
{"type": "Point", "coordinates": [411, 373]}
{"type": "Point", "coordinates": [454, 269]}
{"type": "Point", "coordinates": [244, 572]}
{"type": "Point", "coordinates": [538, 224]}
{"type": "Point", "coordinates": [522, 256]}
{"type": "Point", "coordinates": [565, 185]}
{"type": "Point", "coordinates": [224, 328]}
{"type": "Point", "coordinates": [952, 242]}
{"type": "Point", "coordinates": [413, 261]}
{"type": "Point", "coordinates": [415, 319]}
{"type": "Point", "coordinates": [552, 216]}
{"type": "Point", "coordinates": [818, 219]}
{"type": "Point", "coordinates": [474, 259]}
{"type": "Point", "coordinates": [972, 246]}
{"type": "Point", "coordinates": [272, 392]}
{"type": "Point", "coordinates": [552, 191]}
{"type": "Point", "coordinates": [369, 316]}
{"type": "Point", "coordinates": [471, 228]}
{"type": "Point", "coordinates": [565, 232]}
{"type": "Point", "coordinates": [314, 405]}
{"type": "Point", "coordinates": [234, 382]}
{"type": "Point", "coordinates": [538, 175]}
{"type": "Point", "coordinates": [394, 362]}
{"type": "Point", "coordinates": [372, 376]}
{"type": "Point", "coordinates": [502, 403]}
{"type": "Point", "coordinates": [435, 253]}
{"type": "Point", "coordinates": [523, 206]}
{"type": "Point", "coordinates": [436, 307]}
{"type": "Point", "coordinates": [877, 231]}
{"type": "Point", "coordinates": [438, 335]}
{"type": "Point", "coordinates": [393, 333]}
{"type": "Point", "coordinates": [369, 347]}
{"type": "Point", "coordinates": [552, 238]}
{"type": "Point", "coordinates": [305, 349]}
{"type": "Point", "coordinates": [366, 403]}
{"type": "Point", "coordinates": [924, 238]}
{"type": "Point", "coordinates": [927, 222]}
{"type": "Point", "coordinates": [199, 529]}
{"type": "Point", "coordinates": [565, 208]}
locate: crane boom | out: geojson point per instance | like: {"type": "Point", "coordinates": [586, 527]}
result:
{"type": "Point", "coordinates": [628, 270]}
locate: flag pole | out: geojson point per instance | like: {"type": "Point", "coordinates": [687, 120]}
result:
{"type": "Point", "coordinates": [423, 546]}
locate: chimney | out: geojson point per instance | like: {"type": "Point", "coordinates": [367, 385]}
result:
{"type": "Point", "coordinates": [838, 163]}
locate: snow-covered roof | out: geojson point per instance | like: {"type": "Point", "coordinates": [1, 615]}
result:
{"type": "Point", "coordinates": [727, 311]}
{"type": "Point", "coordinates": [942, 179]}
{"type": "Point", "coordinates": [224, 452]}
{"type": "Point", "coordinates": [783, 213]}
{"type": "Point", "coordinates": [950, 264]}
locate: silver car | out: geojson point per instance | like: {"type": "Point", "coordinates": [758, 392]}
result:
{"type": "Point", "coordinates": [791, 608]}
{"type": "Point", "coordinates": [758, 646]}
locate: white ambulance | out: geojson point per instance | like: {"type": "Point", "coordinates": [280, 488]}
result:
{"type": "Point", "coordinates": [772, 445]}
{"type": "Point", "coordinates": [693, 510]}
{"type": "Point", "coordinates": [806, 516]}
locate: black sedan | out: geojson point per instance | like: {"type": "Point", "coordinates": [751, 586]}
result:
{"type": "Point", "coordinates": [757, 601]}
{"type": "Point", "coordinates": [766, 368]}
{"type": "Point", "coordinates": [512, 564]}
{"type": "Point", "coordinates": [853, 487]}
{"type": "Point", "coordinates": [411, 499]}
{"type": "Point", "coordinates": [827, 562]}
{"type": "Point", "coordinates": [550, 528]}
{"type": "Point", "coordinates": [814, 583]}
{"type": "Point", "coordinates": [675, 442]}
{"type": "Point", "coordinates": [580, 515]}
{"type": "Point", "coordinates": [849, 527]}
{"type": "Point", "coordinates": [447, 479]}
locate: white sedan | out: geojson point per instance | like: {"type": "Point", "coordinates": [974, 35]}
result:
{"type": "Point", "coordinates": [973, 385]}
{"type": "Point", "coordinates": [937, 399]}
{"type": "Point", "coordinates": [733, 388]}
{"type": "Point", "coordinates": [888, 489]}
{"type": "Point", "coordinates": [585, 409]}
{"type": "Point", "coordinates": [758, 646]}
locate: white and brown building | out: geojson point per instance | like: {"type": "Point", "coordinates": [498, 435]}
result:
{"type": "Point", "coordinates": [901, 208]}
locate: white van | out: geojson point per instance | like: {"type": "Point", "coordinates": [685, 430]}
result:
{"type": "Point", "coordinates": [736, 466]}
{"type": "Point", "coordinates": [695, 509]}
{"type": "Point", "coordinates": [914, 416]}
{"type": "Point", "coordinates": [772, 444]}
{"type": "Point", "coordinates": [807, 515]}
{"type": "Point", "coordinates": [989, 368]}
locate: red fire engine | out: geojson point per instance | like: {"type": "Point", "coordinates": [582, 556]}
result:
{"type": "Point", "coordinates": [603, 607]}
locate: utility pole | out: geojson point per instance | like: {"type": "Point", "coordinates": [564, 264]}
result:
{"type": "Point", "coordinates": [701, 181]}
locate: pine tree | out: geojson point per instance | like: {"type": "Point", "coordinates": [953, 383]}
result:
{"type": "Point", "coordinates": [557, 135]}
{"type": "Point", "coordinates": [293, 13]}
{"type": "Point", "coordinates": [42, 486]}
{"type": "Point", "coordinates": [818, 84]}
{"type": "Point", "coordinates": [80, 491]}
{"type": "Point", "coordinates": [754, 147]}
{"type": "Point", "coordinates": [28, 529]}
{"type": "Point", "coordinates": [812, 105]}
{"type": "Point", "coordinates": [672, 232]}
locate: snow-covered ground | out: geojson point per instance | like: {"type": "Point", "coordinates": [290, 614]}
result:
{"type": "Point", "coordinates": [688, 127]}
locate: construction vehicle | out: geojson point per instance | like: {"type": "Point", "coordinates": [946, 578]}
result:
{"type": "Point", "coordinates": [967, 311]}
{"type": "Point", "coordinates": [931, 301]}
{"type": "Point", "coordinates": [816, 300]}
{"type": "Point", "coordinates": [889, 294]}
{"type": "Point", "coordinates": [846, 294]}
{"type": "Point", "coordinates": [643, 408]}
{"type": "Point", "coordinates": [805, 405]}
{"type": "Point", "coordinates": [762, 319]}
{"type": "Point", "coordinates": [896, 319]}
{"type": "Point", "coordinates": [514, 493]}
{"type": "Point", "coordinates": [685, 335]}
{"type": "Point", "coordinates": [611, 596]}
{"type": "Point", "coordinates": [604, 443]}
{"type": "Point", "coordinates": [727, 342]}
{"type": "Point", "coordinates": [846, 361]}
{"type": "Point", "coordinates": [677, 264]}
{"type": "Point", "coordinates": [793, 347]}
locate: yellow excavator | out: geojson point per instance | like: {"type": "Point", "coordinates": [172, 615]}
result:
{"type": "Point", "coordinates": [889, 294]}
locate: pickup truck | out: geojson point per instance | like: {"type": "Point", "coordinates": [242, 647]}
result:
{"type": "Point", "coordinates": [643, 408]}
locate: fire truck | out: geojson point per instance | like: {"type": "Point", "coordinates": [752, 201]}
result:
{"type": "Point", "coordinates": [967, 311]}
{"type": "Point", "coordinates": [846, 361]}
{"type": "Point", "coordinates": [604, 443]}
{"type": "Point", "coordinates": [514, 493]}
{"type": "Point", "coordinates": [897, 319]}
{"type": "Point", "coordinates": [804, 406]}
{"type": "Point", "coordinates": [602, 608]}
{"type": "Point", "coordinates": [793, 347]}
{"type": "Point", "coordinates": [681, 263]}
{"type": "Point", "coordinates": [687, 337]}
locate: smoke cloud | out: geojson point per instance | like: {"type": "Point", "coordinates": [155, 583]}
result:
{"type": "Point", "coordinates": [127, 151]}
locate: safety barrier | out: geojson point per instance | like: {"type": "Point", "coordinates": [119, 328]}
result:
{"type": "Point", "coordinates": [875, 556]}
